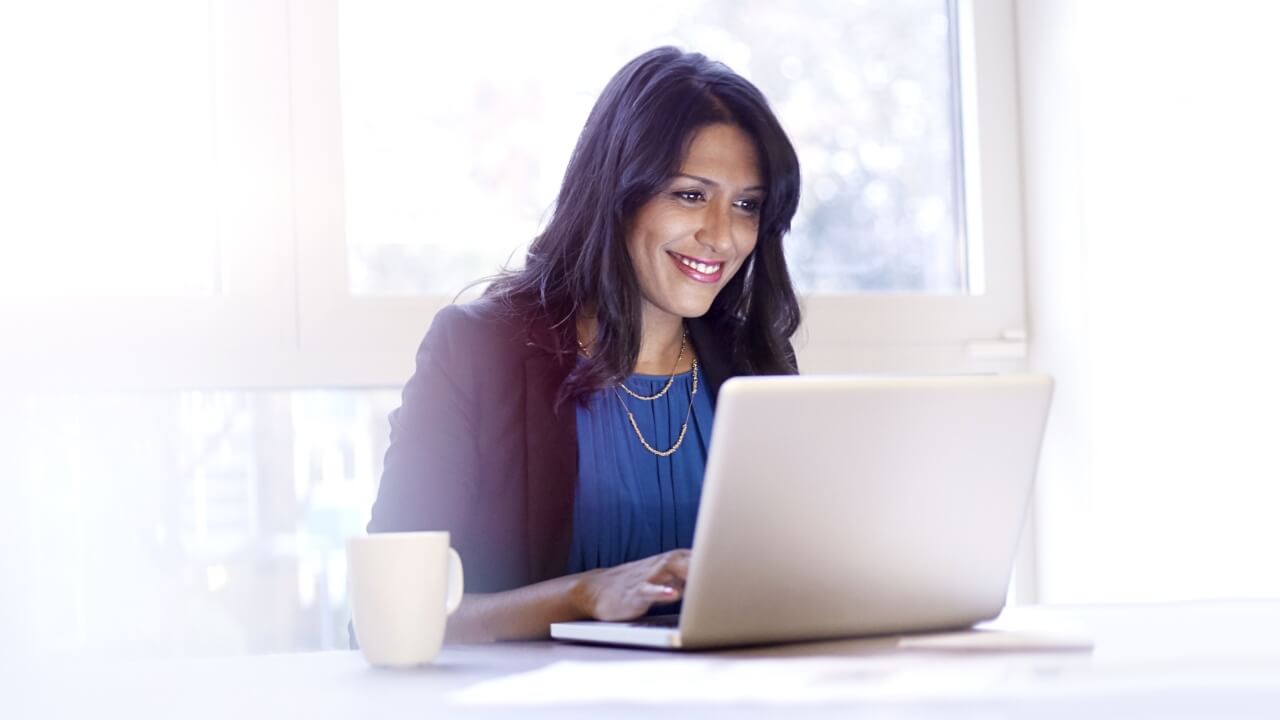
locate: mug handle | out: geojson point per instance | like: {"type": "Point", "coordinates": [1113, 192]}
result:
{"type": "Point", "coordinates": [455, 582]}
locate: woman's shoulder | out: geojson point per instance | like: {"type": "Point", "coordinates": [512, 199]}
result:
{"type": "Point", "coordinates": [482, 328]}
{"type": "Point", "coordinates": [483, 315]}
{"type": "Point", "coordinates": [484, 349]}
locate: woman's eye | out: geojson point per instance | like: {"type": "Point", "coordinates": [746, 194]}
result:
{"type": "Point", "coordinates": [751, 206]}
{"type": "Point", "coordinates": [689, 195]}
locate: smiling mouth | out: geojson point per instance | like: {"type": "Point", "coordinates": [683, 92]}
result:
{"type": "Point", "coordinates": [700, 270]}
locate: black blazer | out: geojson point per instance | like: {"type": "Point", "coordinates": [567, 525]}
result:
{"type": "Point", "coordinates": [478, 449]}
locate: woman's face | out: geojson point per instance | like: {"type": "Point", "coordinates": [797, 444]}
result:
{"type": "Point", "coordinates": [689, 240]}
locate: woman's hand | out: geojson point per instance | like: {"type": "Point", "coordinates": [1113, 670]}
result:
{"type": "Point", "coordinates": [626, 592]}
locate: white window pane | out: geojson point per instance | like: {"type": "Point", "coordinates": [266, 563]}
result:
{"type": "Point", "coordinates": [456, 133]}
{"type": "Point", "coordinates": [195, 523]}
{"type": "Point", "coordinates": [107, 139]}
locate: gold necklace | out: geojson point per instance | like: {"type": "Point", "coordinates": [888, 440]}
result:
{"type": "Point", "coordinates": [684, 427]}
{"type": "Point", "coordinates": [684, 338]}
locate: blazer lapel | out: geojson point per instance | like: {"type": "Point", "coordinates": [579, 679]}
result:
{"type": "Point", "coordinates": [551, 461]}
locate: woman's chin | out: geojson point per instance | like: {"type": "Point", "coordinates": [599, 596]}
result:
{"type": "Point", "coordinates": [688, 311]}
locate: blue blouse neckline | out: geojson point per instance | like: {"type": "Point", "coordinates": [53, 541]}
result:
{"type": "Point", "coordinates": [630, 503]}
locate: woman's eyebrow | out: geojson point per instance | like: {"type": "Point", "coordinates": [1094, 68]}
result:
{"type": "Point", "coordinates": [713, 183]}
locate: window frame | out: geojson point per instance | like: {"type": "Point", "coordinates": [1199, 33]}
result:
{"type": "Point", "coordinates": [869, 332]}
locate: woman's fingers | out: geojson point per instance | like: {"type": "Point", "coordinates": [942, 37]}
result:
{"type": "Point", "coordinates": [667, 584]}
{"type": "Point", "coordinates": [656, 594]}
{"type": "Point", "coordinates": [671, 569]}
{"type": "Point", "coordinates": [628, 591]}
{"type": "Point", "coordinates": [677, 563]}
{"type": "Point", "coordinates": [632, 604]}
{"type": "Point", "coordinates": [658, 591]}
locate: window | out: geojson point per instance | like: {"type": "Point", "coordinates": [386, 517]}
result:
{"type": "Point", "coordinates": [172, 523]}
{"type": "Point", "coordinates": [109, 154]}
{"type": "Point", "coordinates": [325, 246]}
{"type": "Point", "coordinates": [906, 247]}
{"type": "Point", "coordinates": [147, 236]}
{"type": "Point", "coordinates": [447, 175]}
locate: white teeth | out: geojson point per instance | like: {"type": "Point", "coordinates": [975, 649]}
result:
{"type": "Point", "coordinates": [703, 268]}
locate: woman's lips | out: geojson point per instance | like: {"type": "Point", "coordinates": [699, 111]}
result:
{"type": "Point", "coordinates": [699, 270]}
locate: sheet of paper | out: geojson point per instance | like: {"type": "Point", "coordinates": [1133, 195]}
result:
{"type": "Point", "coordinates": [713, 680]}
{"type": "Point", "coordinates": [789, 680]}
{"type": "Point", "coordinates": [844, 680]}
{"type": "Point", "coordinates": [999, 641]}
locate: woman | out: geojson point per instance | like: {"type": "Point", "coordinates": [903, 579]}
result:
{"type": "Point", "coordinates": [558, 427]}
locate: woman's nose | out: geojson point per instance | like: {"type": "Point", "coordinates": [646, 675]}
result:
{"type": "Point", "coordinates": [716, 232]}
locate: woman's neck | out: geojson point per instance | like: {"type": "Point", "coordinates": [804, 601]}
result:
{"type": "Point", "coordinates": [661, 335]}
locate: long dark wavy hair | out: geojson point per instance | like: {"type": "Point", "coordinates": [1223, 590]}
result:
{"type": "Point", "coordinates": [634, 142]}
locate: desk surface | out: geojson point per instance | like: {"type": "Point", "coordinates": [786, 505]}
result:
{"type": "Point", "coordinates": [1211, 659]}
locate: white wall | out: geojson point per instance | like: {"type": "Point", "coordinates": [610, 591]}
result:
{"type": "Point", "coordinates": [1152, 178]}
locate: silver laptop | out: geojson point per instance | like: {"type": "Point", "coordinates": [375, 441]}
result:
{"type": "Point", "coordinates": [848, 506]}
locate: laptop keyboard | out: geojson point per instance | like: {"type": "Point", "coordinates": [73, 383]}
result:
{"type": "Point", "coordinates": [668, 621]}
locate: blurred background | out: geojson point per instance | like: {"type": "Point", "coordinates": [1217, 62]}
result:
{"type": "Point", "coordinates": [225, 225]}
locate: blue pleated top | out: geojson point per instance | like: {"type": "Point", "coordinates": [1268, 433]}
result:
{"type": "Point", "coordinates": [631, 504]}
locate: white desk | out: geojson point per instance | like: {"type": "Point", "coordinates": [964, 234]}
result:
{"type": "Point", "coordinates": [1201, 660]}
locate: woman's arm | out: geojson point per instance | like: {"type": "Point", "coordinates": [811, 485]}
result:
{"type": "Point", "coordinates": [624, 592]}
{"type": "Point", "coordinates": [430, 481]}
{"type": "Point", "coordinates": [521, 614]}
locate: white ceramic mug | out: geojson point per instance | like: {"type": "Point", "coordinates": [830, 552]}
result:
{"type": "Point", "coordinates": [404, 586]}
